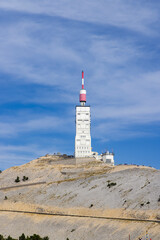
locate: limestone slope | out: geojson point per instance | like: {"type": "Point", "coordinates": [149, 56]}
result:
{"type": "Point", "coordinates": [87, 189]}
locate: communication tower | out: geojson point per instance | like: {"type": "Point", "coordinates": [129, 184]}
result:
{"type": "Point", "coordinates": [83, 126]}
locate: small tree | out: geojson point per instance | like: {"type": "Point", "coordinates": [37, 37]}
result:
{"type": "Point", "coordinates": [1, 237]}
{"type": "Point", "coordinates": [22, 237]}
{"type": "Point", "coordinates": [111, 184]}
{"type": "Point", "coordinates": [5, 198]}
{"type": "Point", "coordinates": [24, 178]}
{"type": "Point", "coordinates": [17, 179]}
{"type": "Point", "coordinates": [9, 238]}
{"type": "Point", "coordinates": [35, 237]}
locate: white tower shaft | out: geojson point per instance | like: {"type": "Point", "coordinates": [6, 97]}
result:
{"type": "Point", "coordinates": [83, 137]}
{"type": "Point", "coordinates": [83, 125]}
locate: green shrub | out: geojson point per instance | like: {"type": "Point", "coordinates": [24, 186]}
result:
{"type": "Point", "coordinates": [5, 198]}
{"type": "Point", "coordinates": [111, 184]}
{"type": "Point", "coordinates": [22, 237]}
{"type": "Point", "coordinates": [9, 238]}
{"type": "Point", "coordinates": [1, 237]}
{"type": "Point", "coordinates": [24, 178]}
{"type": "Point", "coordinates": [17, 179]}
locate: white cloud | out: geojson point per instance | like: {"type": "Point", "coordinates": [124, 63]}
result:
{"type": "Point", "coordinates": [30, 59]}
{"type": "Point", "coordinates": [113, 51]}
{"type": "Point", "coordinates": [119, 130]}
{"type": "Point", "coordinates": [134, 101]}
{"type": "Point", "coordinates": [53, 124]}
{"type": "Point", "coordinates": [135, 15]}
{"type": "Point", "coordinates": [6, 129]}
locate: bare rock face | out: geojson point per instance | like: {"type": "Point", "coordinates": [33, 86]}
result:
{"type": "Point", "coordinates": [83, 201]}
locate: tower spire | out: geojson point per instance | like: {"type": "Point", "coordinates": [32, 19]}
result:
{"type": "Point", "coordinates": [82, 96]}
{"type": "Point", "coordinates": [82, 80]}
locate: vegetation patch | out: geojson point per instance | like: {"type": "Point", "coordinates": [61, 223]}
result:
{"type": "Point", "coordinates": [24, 178]}
{"type": "Point", "coordinates": [17, 179]}
{"type": "Point", "coordinates": [23, 237]}
{"type": "Point", "coordinates": [124, 202]}
{"type": "Point", "coordinates": [91, 206]}
{"type": "Point", "coordinates": [111, 184]}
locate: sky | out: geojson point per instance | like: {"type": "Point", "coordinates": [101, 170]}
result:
{"type": "Point", "coordinates": [44, 46]}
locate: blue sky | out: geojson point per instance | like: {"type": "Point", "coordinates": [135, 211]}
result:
{"type": "Point", "coordinates": [44, 45]}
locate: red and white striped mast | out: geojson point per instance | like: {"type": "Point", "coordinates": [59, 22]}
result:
{"type": "Point", "coordinates": [82, 97]}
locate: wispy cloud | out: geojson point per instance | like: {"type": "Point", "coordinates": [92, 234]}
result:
{"type": "Point", "coordinates": [122, 94]}
{"type": "Point", "coordinates": [33, 59]}
{"type": "Point", "coordinates": [46, 123]}
{"type": "Point", "coordinates": [137, 16]}
{"type": "Point", "coordinates": [11, 155]}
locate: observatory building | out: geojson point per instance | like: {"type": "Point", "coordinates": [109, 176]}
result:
{"type": "Point", "coordinates": [83, 126]}
{"type": "Point", "coordinates": [83, 147]}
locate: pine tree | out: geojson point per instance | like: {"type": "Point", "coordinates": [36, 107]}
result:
{"type": "Point", "coordinates": [17, 179]}
{"type": "Point", "coordinates": [1, 237]}
{"type": "Point", "coordinates": [46, 238]}
{"type": "Point", "coordinates": [22, 237]}
{"type": "Point", "coordinates": [9, 238]}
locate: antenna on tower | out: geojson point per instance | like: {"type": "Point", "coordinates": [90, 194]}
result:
{"type": "Point", "coordinates": [82, 79]}
{"type": "Point", "coordinates": [82, 97]}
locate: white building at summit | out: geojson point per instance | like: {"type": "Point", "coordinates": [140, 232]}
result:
{"type": "Point", "coordinates": [83, 132]}
{"type": "Point", "coordinates": [83, 126]}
